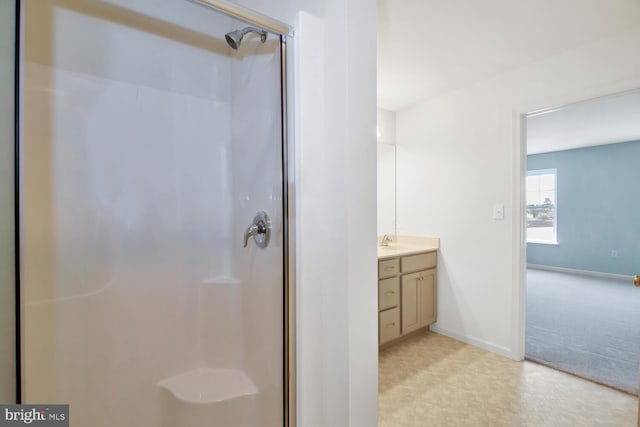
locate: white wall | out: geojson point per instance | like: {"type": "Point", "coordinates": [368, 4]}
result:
{"type": "Point", "coordinates": [7, 313]}
{"type": "Point", "coordinates": [336, 208]}
{"type": "Point", "coordinates": [457, 157]}
{"type": "Point", "coordinates": [386, 126]}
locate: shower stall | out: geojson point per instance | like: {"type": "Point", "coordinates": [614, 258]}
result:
{"type": "Point", "coordinates": [154, 213]}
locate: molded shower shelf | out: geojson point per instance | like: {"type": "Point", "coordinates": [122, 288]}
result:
{"type": "Point", "coordinates": [222, 280]}
{"type": "Point", "coordinates": [209, 385]}
{"type": "Point", "coordinates": [211, 397]}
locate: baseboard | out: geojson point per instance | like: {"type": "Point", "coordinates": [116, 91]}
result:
{"type": "Point", "coordinates": [581, 272]}
{"type": "Point", "coordinates": [485, 345]}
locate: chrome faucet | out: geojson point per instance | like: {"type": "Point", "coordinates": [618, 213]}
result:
{"type": "Point", "coordinates": [385, 240]}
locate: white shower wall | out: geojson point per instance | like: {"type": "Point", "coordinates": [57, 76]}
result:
{"type": "Point", "coordinates": [144, 152]}
{"type": "Point", "coordinates": [256, 122]}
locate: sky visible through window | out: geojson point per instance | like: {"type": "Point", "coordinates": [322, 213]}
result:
{"type": "Point", "coordinates": [541, 206]}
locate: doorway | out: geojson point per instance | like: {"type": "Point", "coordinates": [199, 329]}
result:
{"type": "Point", "coordinates": [580, 200]}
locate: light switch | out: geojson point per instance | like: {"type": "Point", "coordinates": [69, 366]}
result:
{"type": "Point", "coordinates": [498, 211]}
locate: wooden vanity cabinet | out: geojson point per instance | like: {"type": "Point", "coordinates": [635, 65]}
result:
{"type": "Point", "coordinates": [406, 299]}
{"type": "Point", "coordinates": [418, 300]}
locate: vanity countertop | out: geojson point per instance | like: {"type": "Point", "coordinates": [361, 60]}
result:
{"type": "Point", "coordinates": [407, 245]}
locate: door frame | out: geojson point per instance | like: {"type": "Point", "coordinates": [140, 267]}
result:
{"type": "Point", "coordinates": [519, 242]}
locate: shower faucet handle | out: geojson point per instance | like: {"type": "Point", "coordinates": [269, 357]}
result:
{"type": "Point", "coordinates": [260, 230]}
{"type": "Point", "coordinates": [250, 232]}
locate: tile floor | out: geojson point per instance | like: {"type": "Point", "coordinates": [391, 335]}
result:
{"type": "Point", "coordinates": [433, 380]}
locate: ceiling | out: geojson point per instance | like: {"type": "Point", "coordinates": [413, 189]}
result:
{"type": "Point", "coordinates": [597, 122]}
{"type": "Point", "coordinates": [430, 47]}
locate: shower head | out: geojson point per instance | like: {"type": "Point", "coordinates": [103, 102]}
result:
{"type": "Point", "coordinates": [234, 38]}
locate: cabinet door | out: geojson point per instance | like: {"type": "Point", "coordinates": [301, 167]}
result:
{"type": "Point", "coordinates": [410, 284]}
{"type": "Point", "coordinates": [427, 297]}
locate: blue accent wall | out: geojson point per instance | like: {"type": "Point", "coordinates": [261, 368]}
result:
{"type": "Point", "coordinates": [598, 209]}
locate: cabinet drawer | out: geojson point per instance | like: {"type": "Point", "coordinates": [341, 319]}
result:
{"type": "Point", "coordinates": [389, 324]}
{"type": "Point", "coordinates": [419, 262]}
{"type": "Point", "coordinates": [388, 267]}
{"type": "Point", "coordinates": [388, 293]}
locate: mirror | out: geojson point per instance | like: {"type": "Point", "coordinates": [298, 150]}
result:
{"type": "Point", "coordinates": [387, 173]}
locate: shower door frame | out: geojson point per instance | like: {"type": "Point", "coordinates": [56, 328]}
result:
{"type": "Point", "coordinates": [285, 33]}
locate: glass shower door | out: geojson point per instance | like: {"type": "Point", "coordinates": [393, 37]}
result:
{"type": "Point", "coordinates": [148, 147]}
{"type": "Point", "coordinates": [7, 231]}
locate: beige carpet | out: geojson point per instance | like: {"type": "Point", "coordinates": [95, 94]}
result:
{"type": "Point", "coordinates": [432, 380]}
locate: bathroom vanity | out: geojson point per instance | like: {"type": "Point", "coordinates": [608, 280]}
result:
{"type": "Point", "coordinates": [407, 287]}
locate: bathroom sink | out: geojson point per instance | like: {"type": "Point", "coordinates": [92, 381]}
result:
{"type": "Point", "coordinates": [393, 247]}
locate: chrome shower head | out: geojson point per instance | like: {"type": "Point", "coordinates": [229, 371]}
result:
{"type": "Point", "coordinates": [234, 38]}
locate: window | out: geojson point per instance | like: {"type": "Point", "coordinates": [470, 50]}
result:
{"type": "Point", "coordinates": [541, 206]}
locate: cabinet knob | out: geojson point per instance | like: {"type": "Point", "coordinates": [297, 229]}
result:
{"type": "Point", "coordinates": [389, 325]}
{"type": "Point", "coordinates": [390, 292]}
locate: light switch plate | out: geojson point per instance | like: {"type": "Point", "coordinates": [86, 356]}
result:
{"type": "Point", "coordinates": [498, 211]}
